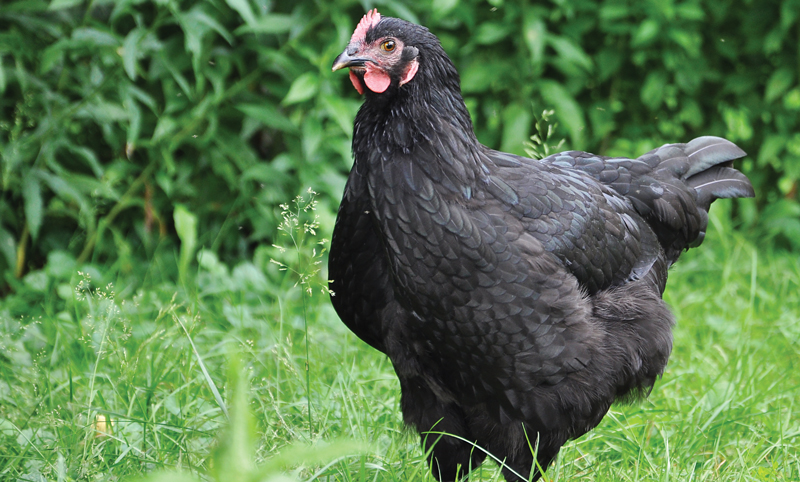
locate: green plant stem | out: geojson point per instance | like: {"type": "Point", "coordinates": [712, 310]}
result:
{"type": "Point", "coordinates": [305, 329]}
{"type": "Point", "coordinates": [109, 218]}
{"type": "Point", "coordinates": [21, 252]}
{"type": "Point", "coordinates": [93, 379]}
{"type": "Point", "coordinates": [308, 369]}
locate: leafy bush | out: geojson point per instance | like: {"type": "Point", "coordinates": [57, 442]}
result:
{"type": "Point", "coordinates": [124, 118]}
{"type": "Point", "coordinates": [119, 118]}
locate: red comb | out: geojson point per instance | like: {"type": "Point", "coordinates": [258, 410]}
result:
{"type": "Point", "coordinates": [367, 21]}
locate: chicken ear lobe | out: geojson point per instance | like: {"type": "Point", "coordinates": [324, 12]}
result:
{"type": "Point", "coordinates": [410, 72]}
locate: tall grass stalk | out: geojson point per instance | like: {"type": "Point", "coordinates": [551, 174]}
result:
{"type": "Point", "coordinates": [300, 224]}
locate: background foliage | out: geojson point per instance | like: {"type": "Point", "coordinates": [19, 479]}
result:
{"type": "Point", "coordinates": [145, 148]}
{"type": "Point", "coordinates": [119, 118]}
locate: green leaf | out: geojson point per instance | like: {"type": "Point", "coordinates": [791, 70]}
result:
{"type": "Point", "coordinates": [32, 194]}
{"type": "Point", "coordinates": [194, 32]}
{"type": "Point", "coordinates": [186, 227]}
{"type": "Point", "coordinates": [169, 476]}
{"type": "Point", "coordinates": [177, 76]}
{"type": "Point", "coordinates": [342, 111]}
{"type": "Point", "coordinates": [302, 89]}
{"type": "Point", "coordinates": [792, 99]}
{"type": "Point", "coordinates": [516, 128]}
{"type": "Point", "coordinates": [261, 172]}
{"type": "Point", "coordinates": [267, 115]}
{"type": "Point", "coordinates": [778, 83]}
{"type": "Point", "coordinates": [244, 9]}
{"type": "Point", "coordinates": [198, 15]}
{"type": "Point", "coordinates": [602, 120]}
{"type": "Point", "coordinates": [690, 41]}
{"type": "Point", "coordinates": [312, 136]}
{"type": "Point", "coordinates": [101, 111]}
{"type": "Point", "coordinates": [793, 148]}
{"type": "Point", "coordinates": [652, 93]}
{"type": "Point", "coordinates": [273, 23]}
{"type": "Point", "coordinates": [568, 50]}
{"type": "Point", "coordinates": [645, 34]}
{"type": "Point", "coordinates": [59, 4]}
{"type": "Point", "coordinates": [60, 264]}
{"type": "Point", "coordinates": [690, 11]}
{"type": "Point", "coordinates": [535, 34]}
{"type": "Point", "coordinates": [738, 124]}
{"type": "Point", "coordinates": [90, 186]}
{"type": "Point", "coordinates": [134, 92]}
{"type": "Point", "coordinates": [402, 11]}
{"type": "Point", "coordinates": [320, 453]}
{"type": "Point", "coordinates": [2, 76]}
{"type": "Point", "coordinates": [491, 32]}
{"type": "Point", "coordinates": [92, 37]}
{"type": "Point", "coordinates": [65, 191]}
{"type": "Point", "coordinates": [130, 51]}
{"type": "Point", "coordinates": [773, 41]}
{"type": "Point", "coordinates": [134, 119]}
{"type": "Point", "coordinates": [87, 155]}
{"type": "Point", "coordinates": [164, 129]}
{"type": "Point", "coordinates": [788, 14]}
{"type": "Point", "coordinates": [691, 114]}
{"type": "Point", "coordinates": [51, 56]}
{"type": "Point", "coordinates": [611, 11]}
{"type": "Point", "coordinates": [781, 217]}
{"type": "Point", "coordinates": [567, 110]}
{"type": "Point", "coordinates": [477, 76]}
{"type": "Point", "coordinates": [609, 61]}
{"type": "Point", "coordinates": [443, 7]}
{"type": "Point", "coordinates": [234, 457]}
{"type": "Point", "coordinates": [8, 247]}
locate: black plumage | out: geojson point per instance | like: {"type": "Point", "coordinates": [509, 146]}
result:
{"type": "Point", "coordinates": [517, 299]}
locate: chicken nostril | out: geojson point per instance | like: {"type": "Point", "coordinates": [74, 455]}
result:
{"type": "Point", "coordinates": [351, 51]}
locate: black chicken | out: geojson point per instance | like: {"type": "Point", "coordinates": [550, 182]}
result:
{"type": "Point", "coordinates": [517, 299]}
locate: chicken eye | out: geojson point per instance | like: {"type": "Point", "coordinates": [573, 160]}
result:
{"type": "Point", "coordinates": [388, 46]}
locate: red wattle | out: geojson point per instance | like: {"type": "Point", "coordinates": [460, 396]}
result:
{"type": "Point", "coordinates": [356, 82]}
{"type": "Point", "coordinates": [376, 79]}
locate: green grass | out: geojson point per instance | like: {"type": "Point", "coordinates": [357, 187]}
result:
{"type": "Point", "coordinates": [154, 364]}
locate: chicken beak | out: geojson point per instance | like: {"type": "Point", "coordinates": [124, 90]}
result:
{"type": "Point", "coordinates": [345, 60]}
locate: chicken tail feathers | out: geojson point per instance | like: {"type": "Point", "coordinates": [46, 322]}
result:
{"type": "Point", "coordinates": [693, 176]}
{"type": "Point", "coordinates": [708, 151]}
{"type": "Point", "coordinates": [711, 172]}
{"type": "Point", "coordinates": [672, 187]}
{"type": "Point", "coordinates": [720, 182]}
